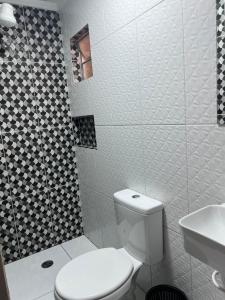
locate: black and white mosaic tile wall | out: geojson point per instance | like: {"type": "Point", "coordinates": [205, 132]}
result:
{"type": "Point", "coordinates": [85, 131]}
{"type": "Point", "coordinates": [39, 192]}
{"type": "Point", "coordinates": [220, 62]}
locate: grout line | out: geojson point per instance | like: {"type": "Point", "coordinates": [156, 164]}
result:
{"type": "Point", "coordinates": [10, 199]}
{"type": "Point", "coordinates": [30, 61]}
{"type": "Point", "coordinates": [175, 231]}
{"type": "Point", "coordinates": [186, 137]}
{"type": "Point", "coordinates": [127, 23]}
{"type": "Point", "coordinates": [156, 124]}
{"type": "Point", "coordinates": [140, 288]}
{"type": "Point", "coordinates": [37, 129]}
{"type": "Point", "coordinates": [67, 253]}
{"type": "Point", "coordinates": [185, 100]}
{"type": "Point", "coordinates": [43, 295]}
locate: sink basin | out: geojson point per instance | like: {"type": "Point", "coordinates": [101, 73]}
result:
{"type": "Point", "coordinates": [204, 235]}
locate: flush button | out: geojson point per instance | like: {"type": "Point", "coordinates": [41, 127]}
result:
{"type": "Point", "coordinates": [136, 196]}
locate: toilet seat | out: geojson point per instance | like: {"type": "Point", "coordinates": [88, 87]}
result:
{"type": "Point", "coordinates": [94, 275]}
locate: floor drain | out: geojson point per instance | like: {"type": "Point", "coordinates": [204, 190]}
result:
{"type": "Point", "coordinates": [136, 196]}
{"type": "Point", "coordinates": [47, 264]}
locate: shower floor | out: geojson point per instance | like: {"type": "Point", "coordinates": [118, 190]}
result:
{"type": "Point", "coordinates": [27, 280]}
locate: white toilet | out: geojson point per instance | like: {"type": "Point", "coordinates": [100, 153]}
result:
{"type": "Point", "coordinates": [107, 273]}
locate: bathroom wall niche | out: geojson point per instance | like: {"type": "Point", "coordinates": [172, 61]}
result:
{"type": "Point", "coordinates": [80, 49]}
{"type": "Point", "coordinates": [85, 129]}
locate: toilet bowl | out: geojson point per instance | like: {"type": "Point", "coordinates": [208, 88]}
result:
{"type": "Point", "coordinates": [104, 274]}
{"type": "Point", "coordinates": [108, 273]}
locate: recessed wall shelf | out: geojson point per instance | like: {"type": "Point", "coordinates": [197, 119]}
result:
{"type": "Point", "coordinates": [85, 127]}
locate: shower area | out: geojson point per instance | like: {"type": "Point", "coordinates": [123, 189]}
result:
{"type": "Point", "coordinates": [39, 189]}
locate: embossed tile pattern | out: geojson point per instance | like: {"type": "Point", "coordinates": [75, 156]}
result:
{"type": "Point", "coordinates": [160, 50]}
{"type": "Point", "coordinates": [206, 152]}
{"type": "Point", "coordinates": [200, 60]}
{"type": "Point", "coordinates": [166, 170]}
{"type": "Point", "coordinates": [175, 268]}
{"type": "Point", "coordinates": [161, 71]}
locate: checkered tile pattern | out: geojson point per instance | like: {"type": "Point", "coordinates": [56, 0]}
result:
{"type": "Point", "coordinates": [4, 179]}
{"type": "Point", "coordinates": [15, 38]}
{"type": "Point", "coordinates": [44, 35]}
{"type": "Point", "coordinates": [85, 127]}
{"type": "Point", "coordinates": [8, 233]}
{"type": "Point", "coordinates": [18, 104]}
{"type": "Point", "coordinates": [220, 62]}
{"type": "Point", "coordinates": [76, 66]}
{"type": "Point", "coordinates": [33, 219]}
{"type": "Point", "coordinates": [59, 155]}
{"type": "Point", "coordinates": [51, 94]}
{"type": "Point", "coordinates": [24, 158]}
{"type": "Point", "coordinates": [39, 197]}
{"type": "Point", "coordinates": [66, 210]}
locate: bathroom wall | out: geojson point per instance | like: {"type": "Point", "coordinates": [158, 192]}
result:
{"type": "Point", "coordinates": [153, 96]}
{"type": "Point", "coordinates": [39, 192]}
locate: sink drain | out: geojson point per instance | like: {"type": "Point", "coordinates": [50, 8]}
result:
{"type": "Point", "coordinates": [47, 264]}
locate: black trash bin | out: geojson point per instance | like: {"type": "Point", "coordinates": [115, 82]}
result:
{"type": "Point", "coordinates": [165, 292]}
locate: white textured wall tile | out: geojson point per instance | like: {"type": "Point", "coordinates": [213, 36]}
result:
{"type": "Point", "coordinates": [200, 60]}
{"type": "Point", "coordinates": [92, 224]}
{"type": "Point", "coordinates": [106, 216]}
{"type": "Point", "coordinates": [138, 293]}
{"type": "Point", "coordinates": [206, 168]}
{"type": "Point", "coordinates": [139, 68]}
{"type": "Point", "coordinates": [119, 159]}
{"type": "Point", "coordinates": [82, 98]}
{"type": "Point", "coordinates": [144, 278]}
{"type": "Point", "coordinates": [202, 285]}
{"type": "Point", "coordinates": [144, 5]}
{"type": "Point", "coordinates": [160, 41]}
{"type": "Point", "coordinates": [76, 14]}
{"type": "Point", "coordinates": [165, 170]}
{"type": "Point", "coordinates": [118, 13]}
{"type": "Point", "coordinates": [86, 168]}
{"type": "Point", "coordinates": [108, 219]}
{"type": "Point", "coordinates": [175, 268]}
{"type": "Point", "coordinates": [115, 96]}
{"type": "Point", "coordinates": [117, 163]}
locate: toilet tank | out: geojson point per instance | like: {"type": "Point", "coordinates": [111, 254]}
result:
{"type": "Point", "coordinates": [139, 221]}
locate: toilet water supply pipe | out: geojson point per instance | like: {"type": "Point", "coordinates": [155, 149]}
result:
{"type": "Point", "coordinates": [218, 285]}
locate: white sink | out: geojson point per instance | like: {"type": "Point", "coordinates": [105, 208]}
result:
{"type": "Point", "coordinates": [204, 235]}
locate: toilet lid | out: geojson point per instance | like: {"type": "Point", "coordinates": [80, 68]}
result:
{"type": "Point", "coordinates": [93, 275]}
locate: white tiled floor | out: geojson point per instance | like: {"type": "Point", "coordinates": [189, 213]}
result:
{"type": "Point", "coordinates": [28, 281]}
